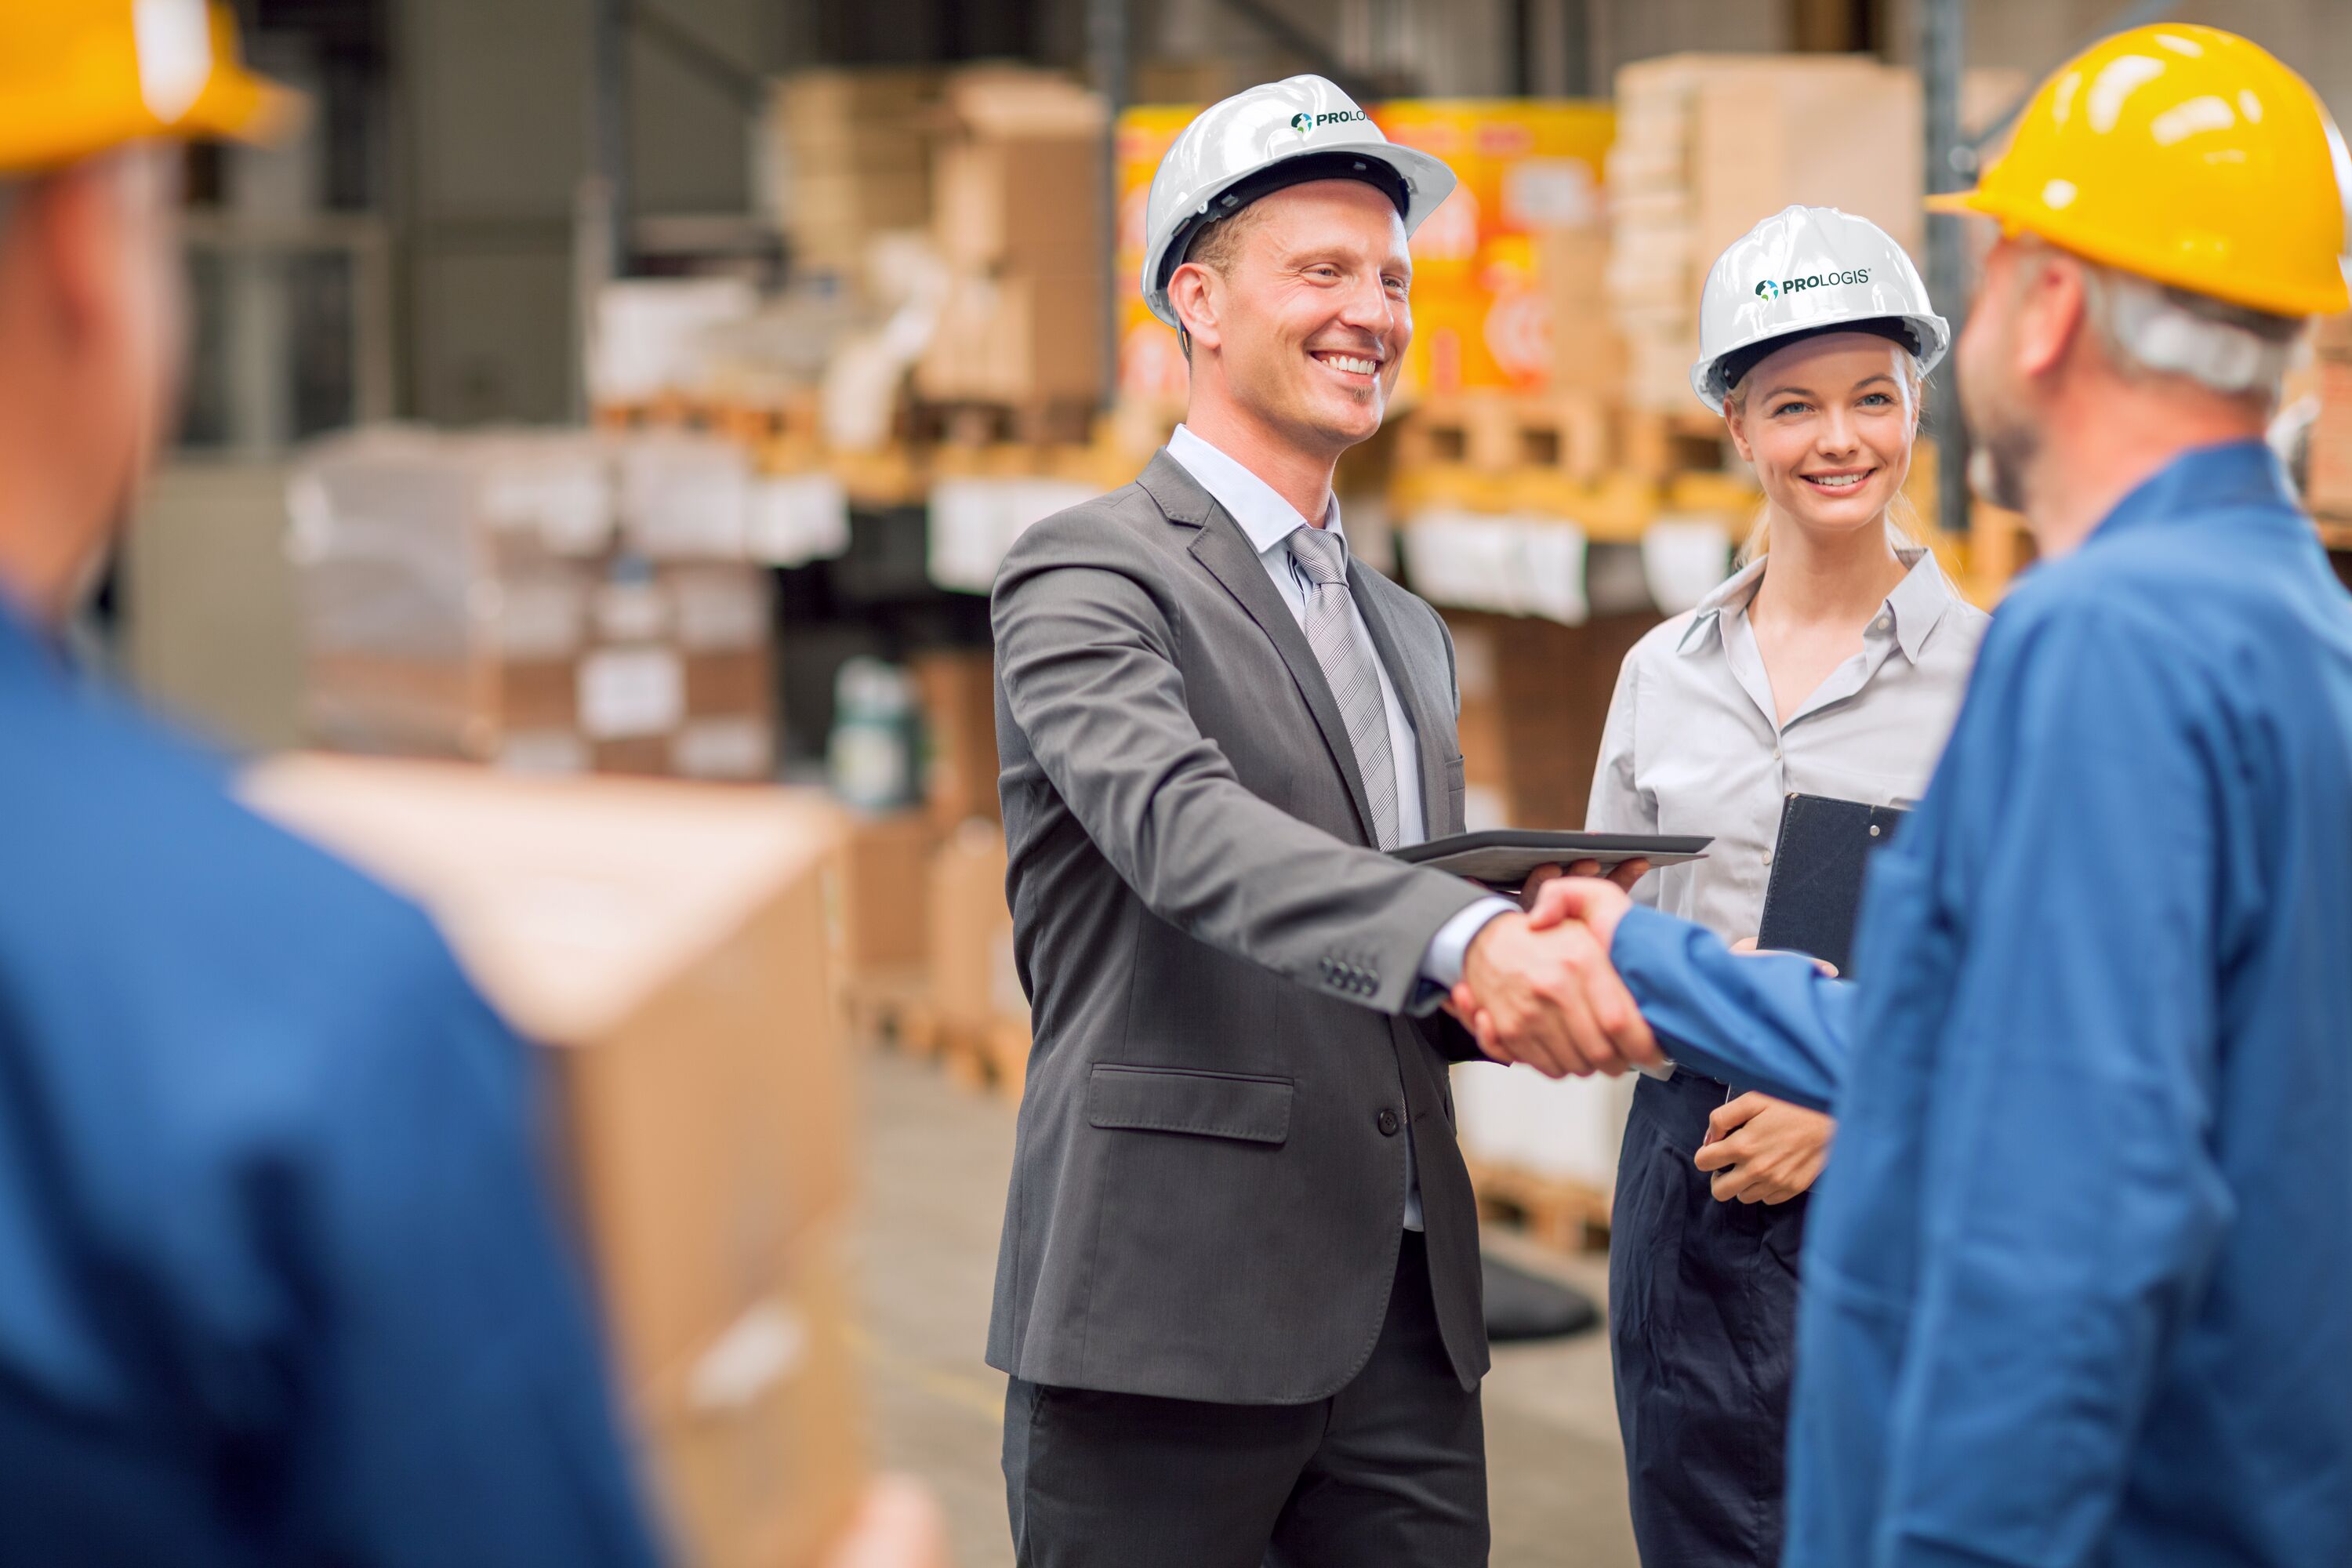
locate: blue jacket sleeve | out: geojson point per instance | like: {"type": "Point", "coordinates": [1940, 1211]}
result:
{"type": "Point", "coordinates": [473, 1423]}
{"type": "Point", "coordinates": [1767, 1021]}
{"type": "Point", "coordinates": [2073, 1208]}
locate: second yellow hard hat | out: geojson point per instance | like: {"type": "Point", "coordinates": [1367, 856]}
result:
{"type": "Point", "coordinates": [2187, 156]}
{"type": "Point", "coordinates": [78, 78]}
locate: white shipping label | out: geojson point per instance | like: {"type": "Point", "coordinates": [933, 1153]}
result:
{"type": "Point", "coordinates": [626, 691]}
{"type": "Point", "coordinates": [542, 616]}
{"type": "Point", "coordinates": [797, 518]}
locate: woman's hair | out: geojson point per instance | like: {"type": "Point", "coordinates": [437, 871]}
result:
{"type": "Point", "coordinates": [1904, 530]}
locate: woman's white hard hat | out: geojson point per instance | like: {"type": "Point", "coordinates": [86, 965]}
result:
{"type": "Point", "coordinates": [1802, 272]}
{"type": "Point", "coordinates": [1255, 142]}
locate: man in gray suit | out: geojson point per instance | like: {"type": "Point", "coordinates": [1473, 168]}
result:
{"type": "Point", "coordinates": [1238, 1294]}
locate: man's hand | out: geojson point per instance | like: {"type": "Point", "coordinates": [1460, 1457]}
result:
{"type": "Point", "coordinates": [1763, 1151]}
{"type": "Point", "coordinates": [1599, 905]}
{"type": "Point", "coordinates": [1550, 999]}
{"type": "Point", "coordinates": [898, 1526]}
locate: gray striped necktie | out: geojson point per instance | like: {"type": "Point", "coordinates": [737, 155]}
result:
{"type": "Point", "coordinates": [1347, 660]}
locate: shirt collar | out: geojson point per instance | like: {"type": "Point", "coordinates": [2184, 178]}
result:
{"type": "Point", "coordinates": [2231, 476]}
{"type": "Point", "coordinates": [1263, 515]}
{"type": "Point", "coordinates": [1917, 604]}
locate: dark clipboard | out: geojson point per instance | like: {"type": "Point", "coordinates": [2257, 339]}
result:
{"type": "Point", "coordinates": [1818, 862]}
{"type": "Point", "coordinates": [1501, 857]}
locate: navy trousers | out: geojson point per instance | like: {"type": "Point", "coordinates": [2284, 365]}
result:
{"type": "Point", "coordinates": [1703, 1325]}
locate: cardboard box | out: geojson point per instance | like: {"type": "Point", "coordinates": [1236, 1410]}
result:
{"type": "Point", "coordinates": [884, 921]}
{"type": "Point", "coordinates": [1017, 338]}
{"type": "Point", "coordinates": [1030, 203]}
{"type": "Point", "coordinates": [974, 983]}
{"type": "Point", "coordinates": [669, 944]}
{"type": "Point", "coordinates": [1535, 697]}
{"type": "Point", "coordinates": [757, 1440]}
{"type": "Point", "coordinates": [1588, 351]}
{"type": "Point", "coordinates": [957, 688]}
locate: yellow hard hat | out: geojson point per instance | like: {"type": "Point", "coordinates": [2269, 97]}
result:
{"type": "Point", "coordinates": [2184, 154]}
{"type": "Point", "coordinates": [81, 76]}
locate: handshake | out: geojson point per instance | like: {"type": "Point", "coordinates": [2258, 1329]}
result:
{"type": "Point", "coordinates": [1539, 987]}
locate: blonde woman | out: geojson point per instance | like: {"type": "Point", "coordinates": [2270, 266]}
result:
{"type": "Point", "coordinates": [1832, 663]}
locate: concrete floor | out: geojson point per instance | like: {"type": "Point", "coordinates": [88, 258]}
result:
{"type": "Point", "coordinates": [936, 1159]}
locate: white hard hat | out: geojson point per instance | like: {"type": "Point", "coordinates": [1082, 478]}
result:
{"type": "Point", "coordinates": [1801, 271]}
{"type": "Point", "coordinates": [1255, 143]}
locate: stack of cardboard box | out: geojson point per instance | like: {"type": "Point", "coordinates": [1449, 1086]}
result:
{"type": "Point", "coordinates": [1018, 200]}
{"type": "Point", "coordinates": [1708, 145]}
{"type": "Point", "coordinates": [849, 158]}
{"type": "Point", "coordinates": [668, 945]}
{"type": "Point", "coordinates": [465, 596]}
{"type": "Point", "coordinates": [977, 1004]}
{"type": "Point", "coordinates": [957, 688]}
{"type": "Point", "coordinates": [1535, 697]}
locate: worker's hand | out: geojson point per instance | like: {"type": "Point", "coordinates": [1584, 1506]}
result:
{"type": "Point", "coordinates": [1549, 998]}
{"type": "Point", "coordinates": [1759, 1150]}
{"type": "Point", "coordinates": [1596, 903]}
{"type": "Point", "coordinates": [1624, 874]}
{"type": "Point", "coordinates": [898, 1526]}
{"type": "Point", "coordinates": [1746, 946]}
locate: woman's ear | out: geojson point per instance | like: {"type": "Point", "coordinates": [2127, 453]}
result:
{"type": "Point", "coordinates": [1735, 420]}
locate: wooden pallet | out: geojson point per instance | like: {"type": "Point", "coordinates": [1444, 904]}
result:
{"type": "Point", "coordinates": [1561, 1212]}
{"type": "Point", "coordinates": [890, 1008]}
{"type": "Point", "coordinates": [1657, 445]}
{"type": "Point", "coordinates": [1058, 421]}
{"type": "Point", "coordinates": [1501, 433]}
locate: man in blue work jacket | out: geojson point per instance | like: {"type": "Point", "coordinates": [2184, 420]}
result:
{"type": "Point", "coordinates": [2078, 1286]}
{"type": "Point", "coordinates": [278, 1282]}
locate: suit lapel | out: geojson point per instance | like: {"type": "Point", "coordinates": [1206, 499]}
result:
{"type": "Point", "coordinates": [1225, 549]}
{"type": "Point", "coordinates": [1415, 697]}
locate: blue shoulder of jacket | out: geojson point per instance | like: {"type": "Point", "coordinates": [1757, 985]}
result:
{"type": "Point", "coordinates": [127, 851]}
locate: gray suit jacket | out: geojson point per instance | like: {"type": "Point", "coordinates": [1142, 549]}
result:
{"type": "Point", "coordinates": [1211, 1170]}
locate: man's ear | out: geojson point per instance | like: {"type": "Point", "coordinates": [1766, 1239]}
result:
{"type": "Point", "coordinates": [74, 230]}
{"type": "Point", "coordinates": [2053, 311]}
{"type": "Point", "coordinates": [1192, 291]}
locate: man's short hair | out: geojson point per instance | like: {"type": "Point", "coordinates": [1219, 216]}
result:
{"type": "Point", "coordinates": [2148, 328]}
{"type": "Point", "coordinates": [1217, 247]}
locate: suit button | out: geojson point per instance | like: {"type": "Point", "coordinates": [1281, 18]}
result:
{"type": "Point", "coordinates": [1388, 1123]}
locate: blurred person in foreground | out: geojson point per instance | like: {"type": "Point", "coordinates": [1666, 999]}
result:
{"type": "Point", "coordinates": [279, 1280]}
{"type": "Point", "coordinates": [2075, 1287]}
{"type": "Point", "coordinates": [1830, 664]}
{"type": "Point", "coordinates": [1238, 1294]}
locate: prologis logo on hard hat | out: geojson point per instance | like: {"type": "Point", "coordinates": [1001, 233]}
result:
{"type": "Point", "coordinates": [1768, 289]}
{"type": "Point", "coordinates": [1304, 122]}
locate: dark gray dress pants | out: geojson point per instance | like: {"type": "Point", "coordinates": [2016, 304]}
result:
{"type": "Point", "coordinates": [1390, 1470]}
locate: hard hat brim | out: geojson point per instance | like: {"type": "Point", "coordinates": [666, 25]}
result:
{"type": "Point", "coordinates": [1977, 203]}
{"type": "Point", "coordinates": [236, 105]}
{"type": "Point", "coordinates": [1428, 180]}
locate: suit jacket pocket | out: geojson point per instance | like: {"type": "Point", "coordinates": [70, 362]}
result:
{"type": "Point", "coordinates": [1176, 1099]}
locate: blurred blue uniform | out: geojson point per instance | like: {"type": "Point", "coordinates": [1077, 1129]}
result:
{"type": "Point", "coordinates": [2078, 1284]}
{"type": "Point", "coordinates": [278, 1282]}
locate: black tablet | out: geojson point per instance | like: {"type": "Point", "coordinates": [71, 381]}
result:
{"type": "Point", "coordinates": [1502, 856]}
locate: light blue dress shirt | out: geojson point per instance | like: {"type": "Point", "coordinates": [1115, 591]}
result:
{"type": "Point", "coordinates": [1268, 521]}
{"type": "Point", "coordinates": [2075, 1284]}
